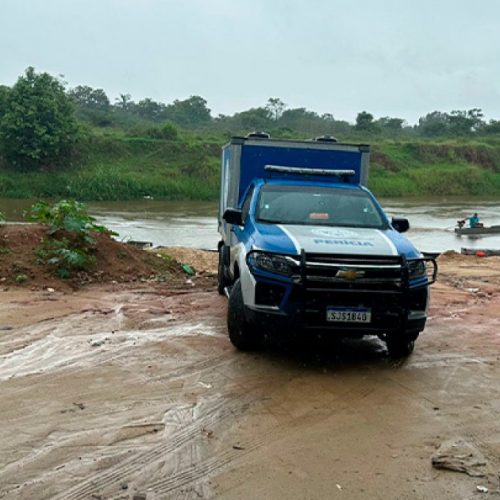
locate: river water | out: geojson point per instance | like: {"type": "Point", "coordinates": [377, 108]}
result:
{"type": "Point", "coordinates": [194, 224]}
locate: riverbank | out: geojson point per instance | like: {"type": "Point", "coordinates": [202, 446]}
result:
{"type": "Point", "coordinates": [134, 389]}
{"type": "Point", "coordinates": [117, 167]}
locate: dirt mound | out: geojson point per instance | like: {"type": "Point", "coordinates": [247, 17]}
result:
{"type": "Point", "coordinates": [114, 262]}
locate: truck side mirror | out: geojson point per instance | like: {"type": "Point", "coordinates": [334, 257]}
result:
{"type": "Point", "coordinates": [233, 216]}
{"type": "Point", "coordinates": [400, 225]}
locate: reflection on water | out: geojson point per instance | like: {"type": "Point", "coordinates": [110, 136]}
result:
{"type": "Point", "coordinates": [194, 224]}
{"type": "Point", "coordinates": [190, 224]}
{"type": "Point", "coordinates": [432, 221]}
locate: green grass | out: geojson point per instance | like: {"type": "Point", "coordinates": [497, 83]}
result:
{"type": "Point", "coordinates": [113, 166]}
{"type": "Point", "coordinates": [437, 179]}
{"type": "Point", "coordinates": [119, 168]}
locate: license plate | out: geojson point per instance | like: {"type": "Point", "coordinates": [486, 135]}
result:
{"type": "Point", "coordinates": [348, 314]}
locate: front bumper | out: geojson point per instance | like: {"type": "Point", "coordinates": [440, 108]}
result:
{"type": "Point", "coordinates": [386, 318]}
{"type": "Point", "coordinates": [396, 302]}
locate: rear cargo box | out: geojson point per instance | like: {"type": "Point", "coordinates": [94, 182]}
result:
{"type": "Point", "coordinates": [245, 159]}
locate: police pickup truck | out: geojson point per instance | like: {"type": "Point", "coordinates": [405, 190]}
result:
{"type": "Point", "coordinates": [305, 245]}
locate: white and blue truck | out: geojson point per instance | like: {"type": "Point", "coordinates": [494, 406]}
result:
{"type": "Point", "coordinates": [306, 246]}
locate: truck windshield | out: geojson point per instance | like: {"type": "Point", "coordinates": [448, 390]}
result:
{"type": "Point", "coordinates": [315, 205]}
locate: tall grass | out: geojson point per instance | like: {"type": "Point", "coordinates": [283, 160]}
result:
{"type": "Point", "coordinates": [116, 167]}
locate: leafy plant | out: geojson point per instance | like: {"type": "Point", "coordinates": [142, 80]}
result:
{"type": "Point", "coordinates": [69, 245]}
{"type": "Point", "coordinates": [2, 217]}
{"type": "Point", "coordinates": [21, 278]}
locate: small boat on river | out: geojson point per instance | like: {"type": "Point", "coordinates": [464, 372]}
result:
{"type": "Point", "coordinates": [477, 231]}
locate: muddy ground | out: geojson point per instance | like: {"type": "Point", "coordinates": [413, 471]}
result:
{"type": "Point", "coordinates": [134, 391]}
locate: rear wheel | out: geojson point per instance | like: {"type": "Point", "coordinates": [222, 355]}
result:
{"type": "Point", "coordinates": [222, 272]}
{"type": "Point", "coordinates": [243, 335]}
{"type": "Point", "coordinates": [401, 344]}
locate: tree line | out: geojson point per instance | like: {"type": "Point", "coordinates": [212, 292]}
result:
{"type": "Point", "coordinates": [41, 119]}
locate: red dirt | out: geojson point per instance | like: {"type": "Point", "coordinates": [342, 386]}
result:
{"type": "Point", "coordinates": [115, 262]}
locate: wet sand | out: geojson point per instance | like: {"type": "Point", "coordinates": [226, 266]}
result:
{"type": "Point", "coordinates": [129, 392]}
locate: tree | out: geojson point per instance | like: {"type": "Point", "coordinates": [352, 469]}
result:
{"type": "Point", "coordinates": [92, 105]}
{"type": "Point", "coordinates": [365, 123]}
{"type": "Point", "coordinates": [38, 126]}
{"type": "Point", "coordinates": [124, 102]}
{"type": "Point", "coordinates": [275, 106]}
{"type": "Point", "coordinates": [151, 110]}
{"type": "Point", "coordinates": [465, 122]}
{"type": "Point", "coordinates": [4, 92]}
{"type": "Point", "coordinates": [89, 98]}
{"type": "Point", "coordinates": [252, 119]}
{"type": "Point", "coordinates": [391, 125]}
{"type": "Point", "coordinates": [191, 112]}
{"type": "Point", "coordinates": [434, 124]}
{"type": "Point", "coordinates": [303, 120]}
{"type": "Point", "coordinates": [493, 127]}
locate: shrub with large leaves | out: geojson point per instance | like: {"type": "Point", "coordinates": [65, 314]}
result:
{"type": "Point", "coordinates": [69, 245]}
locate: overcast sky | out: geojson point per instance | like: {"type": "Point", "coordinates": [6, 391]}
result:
{"type": "Point", "coordinates": [399, 58]}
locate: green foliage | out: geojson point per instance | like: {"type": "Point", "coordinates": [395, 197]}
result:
{"type": "Point", "coordinates": [69, 215]}
{"type": "Point", "coordinates": [64, 256]}
{"type": "Point", "coordinates": [252, 119]}
{"type": "Point", "coordinates": [38, 126]}
{"type": "Point", "coordinates": [4, 93]}
{"type": "Point", "coordinates": [2, 217]}
{"type": "Point", "coordinates": [128, 149]}
{"type": "Point", "coordinates": [21, 278]}
{"type": "Point", "coordinates": [191, 112]}
{"type": "Point", "coordinates": [434, 124]}
{"type": "Point", "coordinates": [125, 102]}
{"type": "Point", "coordinates": [88, 98]}
{"type": "Point", "coordinates": [275, 106]}
{"type": "Point", "coordinates": [166, 132]}
{"type": "Point", "coordinates": [151, 110]}
{"type": "Point", "coordinates": [491, 128]}
{"type": "Point", "coordinates": [456, 123]}
{"type": "Point", "coordinates": [391, 126]}
{"type": "Point", "coordinates": [464, 122]}
{"type": "Point", "coordinates": [169, 131]}
{"type": "Point", "coordinates": [366, 123]}
{"type": "Point", "coordinates": [69, 244]}
{"type": "Point", "coordinates": [92, 105]}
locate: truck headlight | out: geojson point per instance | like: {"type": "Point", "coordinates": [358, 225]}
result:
{"type": "Point", "coordinates": [417, 269]}
{"type": "Point", "coordinates": [273, 263]}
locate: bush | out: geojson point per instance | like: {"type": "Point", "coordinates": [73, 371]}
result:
{"type": "Point", "coordinates": [167, 132]}
{"type": "Point", "coordinates": [69, 244]}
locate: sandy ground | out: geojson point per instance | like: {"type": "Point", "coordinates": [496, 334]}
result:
{"type": "Point", "coordinates": [136, 393]}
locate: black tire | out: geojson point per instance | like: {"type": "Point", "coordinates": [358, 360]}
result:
{"type": "Point", "coordinates": [242, 334]}
{"type": "Point", "coordinates": [222, 273]}
{"type": "Point", "coordinates": [401, 345]}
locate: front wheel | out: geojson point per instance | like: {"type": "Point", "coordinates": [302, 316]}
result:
{"type": "Point", "coordinates": [242, 334]}
{"type": "Point", "coordinates": [402, 344]}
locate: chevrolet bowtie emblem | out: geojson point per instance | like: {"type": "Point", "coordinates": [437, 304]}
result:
{"type": "Point", "coordinates": [349, 274]}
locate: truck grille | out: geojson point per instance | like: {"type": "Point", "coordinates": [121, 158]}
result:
{"type": "Point", "coordinates": [351, 273]}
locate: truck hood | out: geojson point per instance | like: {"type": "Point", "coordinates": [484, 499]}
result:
{"type": "Point", "coordinates": [290, 239]}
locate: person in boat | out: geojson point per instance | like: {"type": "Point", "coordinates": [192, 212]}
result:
{"type": "Point", "coordinates": [474, 221]}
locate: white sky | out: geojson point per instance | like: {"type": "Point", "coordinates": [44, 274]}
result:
{"type": "Point", "coordinates": [399, 58]}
